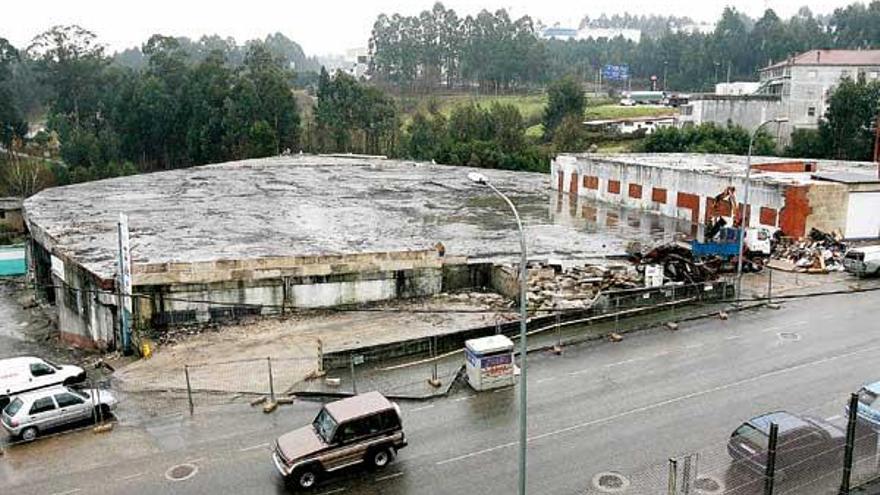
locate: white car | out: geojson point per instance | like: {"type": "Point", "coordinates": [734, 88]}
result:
{"type": "Point", "coordinates": [24, 374]}
{"type": "Point", "coordinates": [36, 412]}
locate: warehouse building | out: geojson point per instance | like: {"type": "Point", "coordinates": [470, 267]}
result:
{"type": "Point", "coordinates": [275, 235]}
{"type": "Point", "coordinates": [792, 195]}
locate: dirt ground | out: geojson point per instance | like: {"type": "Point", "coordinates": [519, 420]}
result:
{"type": "Point", "coordinates": [234, 358]}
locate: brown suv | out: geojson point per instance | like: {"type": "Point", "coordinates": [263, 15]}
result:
{"type": "Point", "coordinates": [364, 428]}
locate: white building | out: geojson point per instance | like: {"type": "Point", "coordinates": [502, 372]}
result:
{"type": "Point", "coordinates": [631, 125]}
{"type": "Point", "coordinates": [737, 88]}
{"type": "Point", "coordinates": [596, 33]}
{"type": "Point", "coordinates": [797, 88]}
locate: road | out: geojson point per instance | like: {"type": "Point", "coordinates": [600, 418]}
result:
{"type": "Point", "coordinates": [622, 407]}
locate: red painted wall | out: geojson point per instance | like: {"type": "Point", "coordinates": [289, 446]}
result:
{"type": "Point", "coordinates": [658, 195]}
{"type": "Point", "coordinates": [573, 185]}
{"type": "Point", "coordinates": [793, 216]}
{"type": "Point", "coordinates": [635, 191]}
{"type": "Point", "coordinates": [614, 186]}
{"type": "Point", "coordinates": [691, 201]}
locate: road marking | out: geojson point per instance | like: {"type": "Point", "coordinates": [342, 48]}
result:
{"type": "Point", "coordinates": [732, 337]}
{"type": "Point", "coordinates": [417, 409]}
{"type": "Point", "coordinates": [578, 372]}
{"type": "Point", "coordinates": [333, 491]}
{"type": "Point", "coordinates": [193, 461]}
{"type": "Point", "coordinates": [624, 362]}
{"type": "Point", "coordinates": [463, 398]}
{"type": "Point", "coordinates": [504, 389]}
{"type": "Point", "coordinates": [657, 405]}
{"type": "Point", "coordinates": [694, 346]}
{"type": "Point", "coordinates": [254, 447]}
{"type": "Point", "coordinates": [833, 418]}
{"type": "Point", "coordinates": [548, 379]}
{"type": "Point", "coordinates": [661, 354]}
{"type": "Point", "coordinates": [68, 492]}
{"type": "Point", "coordinates": [131, 477]}
{"type": "Point", "coordinates": [388, 477]}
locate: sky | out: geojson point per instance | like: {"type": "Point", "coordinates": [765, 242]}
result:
{"type": "Point", "coordinates": [326, 26]}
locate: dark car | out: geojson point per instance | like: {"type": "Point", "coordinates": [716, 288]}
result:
{"type": "Point", "coordinates": [362, 429]}
{"type": "Point", "coordinates": [803, 443]}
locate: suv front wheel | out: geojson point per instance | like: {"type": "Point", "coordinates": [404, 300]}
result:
{"type": "Point", "coordinates": [381, 457]}
{"type": "Point", "coordinates": [305, 478]}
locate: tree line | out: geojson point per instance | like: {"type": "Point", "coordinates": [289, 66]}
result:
{"type": "Point", "coordinates": [439, 48]}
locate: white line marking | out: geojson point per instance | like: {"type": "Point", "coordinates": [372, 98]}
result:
{"type": "Point", "coordinates": [542, 380]}
{"type": "Point", "coordinates": [131, 477]}
{"type": "Point", "coordinates": [193, 461]}
{"type": "Point", "coordinates": [732, 337]}
{"type": "Point", "coordinates": [657, 405]}
{"type": "Point", "coordinates": [624, 362]}
{"type": "Point", "coordinates": [254, 447]}
{"type": "Point", "coordinates": [463, 398]}
{"type": "Point", "coordinates": [505, 389]}
{"type": "Point", "coordinates": [578, 372]}
{"type": "Point", "coordinates": [661, 354]}
{"type": "Point", "coordinates": [334, 491]}
{"type": "Point", "coordinates": [388, 477]}
{"type": "Point", "coordinates": [694, 346]}
{"type": "Point", "coordinates": [833, 418]}
{"type": "Point", "coordinates": [417, 409]}
{"type": "Point", "coordinates": [771, 329]}
{"type": "Point", "coordinates": [68, 492]}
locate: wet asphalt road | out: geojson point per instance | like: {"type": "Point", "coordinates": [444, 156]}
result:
{"type": "Point", "coordinates": [623, 407]}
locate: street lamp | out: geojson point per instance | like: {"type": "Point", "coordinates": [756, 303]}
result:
{"type": "Point", "coordinates": [745, 208]}
{"type": "Point", "coordinates": [523, 281]}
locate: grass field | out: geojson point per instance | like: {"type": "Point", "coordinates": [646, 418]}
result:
{"type": "Point", "coordinates": [621, 112]}
{"type": "Point", "coordinates": [531, 106]}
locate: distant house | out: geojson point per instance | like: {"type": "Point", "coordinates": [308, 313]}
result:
{"type": "Point", "coordinates": [10, 215]}
{"type": "Point", "coordinates": [633, 125]}
{"type": "Point", "coordinates": [797, 88]}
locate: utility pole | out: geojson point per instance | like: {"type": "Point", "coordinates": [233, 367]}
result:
{"type": "Point", "coordinates": [877, 144]}
{"type": "Point", "coordinates": [123, 283]}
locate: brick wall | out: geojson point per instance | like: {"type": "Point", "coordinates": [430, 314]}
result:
{"type": "Point", "coordinates": [658, 195]}
{"type": "Point", "coordinates": [614, 186]}
{"type": "Point", "coordinates": [767, 216]}
{"type": "Point", "coordinates": [692, 201]}
{"type": "Point", "coordinates": [573, 184]}
{"type": "Point", "coordinates": [793, 216]}
{"type": "Point", "coordinates": [635, 191]}
{"type": "Point", "coordinates": [591, 182]}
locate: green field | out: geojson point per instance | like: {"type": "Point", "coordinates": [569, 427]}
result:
{"type": "Point", "coordinates": [621, 112]}
{"type": "Point", "coordinates": [531, 106]}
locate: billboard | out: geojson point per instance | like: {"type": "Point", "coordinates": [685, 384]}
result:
{"type": "Point", "coordinates": [615, 72]}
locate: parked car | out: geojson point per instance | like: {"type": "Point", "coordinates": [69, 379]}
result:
{"type": "Point", "coordinates": [366, 428]}
{"type": "Point", "coordinates": [862, 261]}
{"type": "Point", "coordinates": [33, 413]}
{"type": "Point", "coordinates": [803, 443]}
{"type": "Point", "coordinates": [868, 412]}
{"type": "Point", "coordinates": [23, 374]}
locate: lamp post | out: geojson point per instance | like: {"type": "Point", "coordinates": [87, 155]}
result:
{"type": "Point", "coordinates": [523, 281]}
{"type": "Point", "coordinates": [745, 208]}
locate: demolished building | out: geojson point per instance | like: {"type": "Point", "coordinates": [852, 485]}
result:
{"type": "Point", "coordinates": [792, 195]}
{"type": "Point", "coordinates": [276, 235]}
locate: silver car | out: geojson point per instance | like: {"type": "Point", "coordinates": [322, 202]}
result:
{"type": "Point", "coordinates": [35, 412]}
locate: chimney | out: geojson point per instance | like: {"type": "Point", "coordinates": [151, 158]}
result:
{"type": "Point", "coordinates": [818, 56]}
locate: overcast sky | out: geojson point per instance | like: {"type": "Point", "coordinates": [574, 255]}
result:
{"type": "Point", "coordinates": [324, 26]}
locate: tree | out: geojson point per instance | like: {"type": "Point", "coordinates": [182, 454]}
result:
{"type": "Point", "coordinates": [707, 138]}
{"type": "Point", "coordinates": [12, 125]}
{"type": "Point", "coordinates": [846, 129]}
{"type": "Point", "coordinates": [565, 97]}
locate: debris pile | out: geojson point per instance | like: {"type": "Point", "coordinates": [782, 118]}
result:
{"type": "Point", "coordinates": [678, 264]}
{"type": "Point", "coordinates": [576, 287]}
{"type": "Point", "coordinates": [820, 252]}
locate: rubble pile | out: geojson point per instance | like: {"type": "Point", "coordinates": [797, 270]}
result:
{"type": "Point", "coordinates": [678, 264]}
{"type": "Point", "coordinates": [820, 252]}
{"type": "Point", "coordinates": [576, 287]}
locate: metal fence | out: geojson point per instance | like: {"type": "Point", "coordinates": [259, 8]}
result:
{"type": "Point", "coordinates": [823, 460]}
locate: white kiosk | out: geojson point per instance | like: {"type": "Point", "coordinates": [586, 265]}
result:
{"type": "Point", "coordinates": [489, 362]}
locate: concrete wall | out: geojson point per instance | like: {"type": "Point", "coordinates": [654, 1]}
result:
{"type": "Point", "coordinates": [810, 86]}
{"type": "Point", "coordinates": [862, 218]}
{"type": "Point", "coordinates": [745, 111]}
{"type": "Point", "coordinates": [686, 191]}
{"type": "Point", "coordinates": [828, 207]}
{"type": "Point", "coordinates": [86, 312]}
